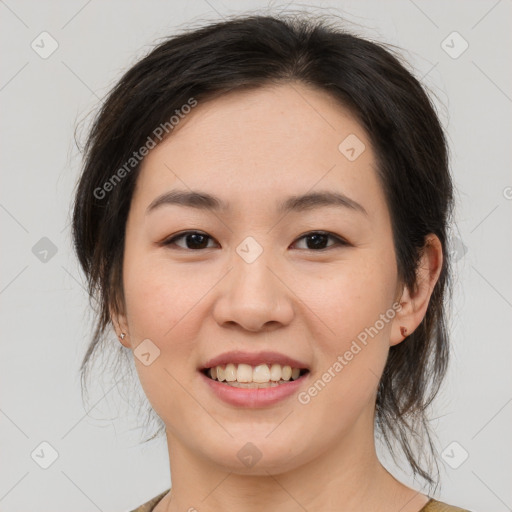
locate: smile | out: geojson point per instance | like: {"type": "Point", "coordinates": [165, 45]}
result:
{"type": "Point", "coordinates": [254, 377]}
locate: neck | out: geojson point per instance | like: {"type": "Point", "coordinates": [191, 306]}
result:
{"type": "Point", "coordinates": [346, 475]}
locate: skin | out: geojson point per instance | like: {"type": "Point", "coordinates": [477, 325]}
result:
{"type": "Point", "coordinates": [253, 149]}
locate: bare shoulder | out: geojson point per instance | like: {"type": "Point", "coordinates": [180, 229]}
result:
{"type": "Point", "coordinates": [438, 506]}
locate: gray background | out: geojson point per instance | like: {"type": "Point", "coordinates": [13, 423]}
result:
{"type": "Point", "coordinates": [45, 323]}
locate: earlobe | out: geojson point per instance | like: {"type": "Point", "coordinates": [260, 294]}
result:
{"type": "Point", "coordinates": [122, 337]}
{"type": "Point", "coordinates": [397, 338]}
{"type": "Point", "coordinates": [120, 327]}
{"type": "Point", "coordinates": [401, 326]}
{"type": "Point", "coordinates": [122, 340]}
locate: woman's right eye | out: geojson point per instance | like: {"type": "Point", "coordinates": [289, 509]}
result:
{"type": "Point", "coordinates": [194, 240]}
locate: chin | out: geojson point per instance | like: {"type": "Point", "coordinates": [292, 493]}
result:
{"type": "Point", "coordinates": [255, 454]}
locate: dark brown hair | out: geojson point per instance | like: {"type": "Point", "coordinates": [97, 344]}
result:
{"type": "Point", "coordinates": [252, 51]}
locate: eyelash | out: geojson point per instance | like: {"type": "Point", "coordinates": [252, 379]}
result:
{"type": "Point", "coordinates": [339, 241]}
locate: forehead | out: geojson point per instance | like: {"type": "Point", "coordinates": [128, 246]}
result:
{"type": "Point", "coordinates": [256, 145]}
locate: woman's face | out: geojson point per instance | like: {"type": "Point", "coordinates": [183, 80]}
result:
{"type": "Point", "coordinates": [252, 281]}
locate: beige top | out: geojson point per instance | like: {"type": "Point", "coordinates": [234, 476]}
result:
{"type": "Point", "coordinates": [431, 506]}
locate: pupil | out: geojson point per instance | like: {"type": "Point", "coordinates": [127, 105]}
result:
{"type": "Point", "coordinates": [195, 243]}
{"type": "Point", "coordinates": [317, 243]}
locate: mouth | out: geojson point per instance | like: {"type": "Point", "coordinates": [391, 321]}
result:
{"type": "Point", "coordinates": [254, 377]}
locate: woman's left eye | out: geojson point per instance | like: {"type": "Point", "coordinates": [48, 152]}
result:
{"type": "Point", "coordinates": [315, 240]}
{"type": "Point", "coordinates": [319, 238]}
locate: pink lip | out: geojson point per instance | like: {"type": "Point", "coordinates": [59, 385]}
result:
{"type": "Point", "coordinates": [255, 398]}
{"type": "Point", "coordinates": [254, 359]}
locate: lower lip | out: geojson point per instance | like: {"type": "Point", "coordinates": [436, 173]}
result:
{"type": "Point", "coordinates": [254, 397]}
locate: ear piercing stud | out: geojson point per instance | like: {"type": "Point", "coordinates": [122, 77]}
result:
{"type": "Point", "coordinates": [122, 336]}
{"type": "Point", "coordinates": [403, 331]}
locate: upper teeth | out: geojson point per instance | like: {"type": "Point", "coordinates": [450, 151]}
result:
{"type": "Point", "coordinates": [247, 373]}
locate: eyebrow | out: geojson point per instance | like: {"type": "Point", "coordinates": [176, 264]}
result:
{"type": "Point", "coordinates": [204, 201]}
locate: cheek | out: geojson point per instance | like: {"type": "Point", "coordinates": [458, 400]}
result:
{"type": "Point", "coordinates": [352, 299]}
{"type": "Point", "coordinates": [162, 309]}
{"type": "Point", "coordinates": [163, 306]}
{"type": "Point", "coordinates": [355, 309]}
{"type": "Point", "coordinates": [160, 298]}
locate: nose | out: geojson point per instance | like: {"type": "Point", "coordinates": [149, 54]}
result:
{"type": "Point", "coordinates": [254, 297]}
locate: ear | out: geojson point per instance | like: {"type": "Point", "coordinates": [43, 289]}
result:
{"type": "Point", "coordinates": [121, 327]}
{"type": "Point", "coordinates": [415, 302]}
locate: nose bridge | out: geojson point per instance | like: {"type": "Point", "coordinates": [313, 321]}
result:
{"type": "Point", "coordinates": [253, 296]}
{"type": "Point", "coordinates": [251, 274]}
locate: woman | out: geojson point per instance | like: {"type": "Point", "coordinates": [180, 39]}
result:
{"type": "Point", "coordinates": [262, 215]}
